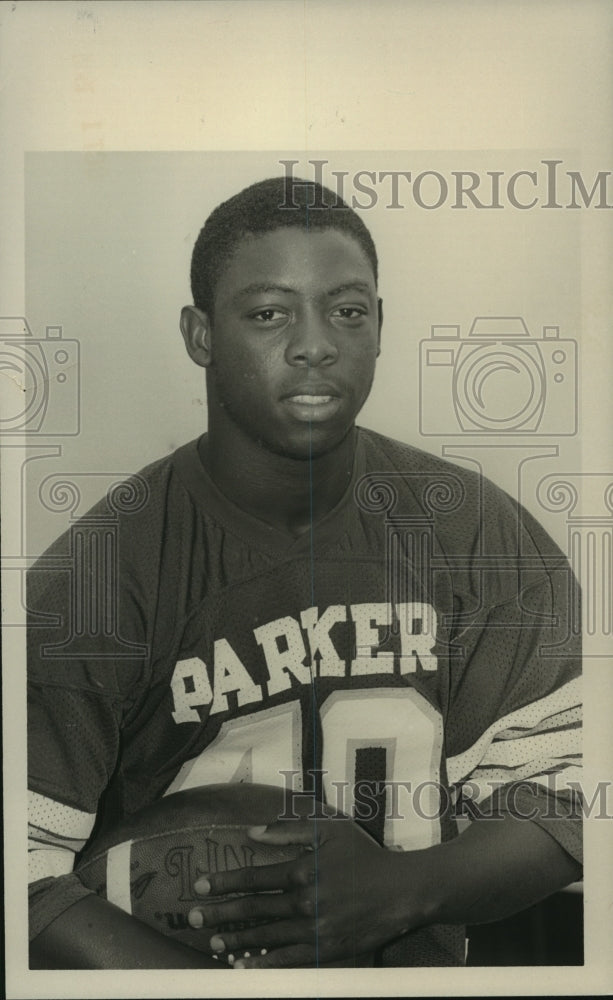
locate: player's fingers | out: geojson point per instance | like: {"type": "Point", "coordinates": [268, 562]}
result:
{"type": "Point", "coordinates": [245, 908]}
{"type": "Point", "coordinates": [298, 956]}
{"type": "Point", "coordinates": [281, 933]}
{"type": "Point", "coordinates": [262, 878]}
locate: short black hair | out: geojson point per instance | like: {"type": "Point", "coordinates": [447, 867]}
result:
{"type": "Point", "coordinates": [275, 203]}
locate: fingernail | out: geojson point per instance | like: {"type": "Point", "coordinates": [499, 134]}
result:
{"type": "Point", "coordinates": [255, 831]}
{"type": "Point", "coordinates": [195, 919]}
{"type": "Point", "coordinates": [202, 886]}
{"type": "Point", "coordinates": [217, 943]}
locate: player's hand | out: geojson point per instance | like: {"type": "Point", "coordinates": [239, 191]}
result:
{"type": "Point", "coordinates": [339, 900]}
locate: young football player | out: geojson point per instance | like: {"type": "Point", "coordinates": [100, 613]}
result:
{"type": "Point", "coordinates": [304, 602]}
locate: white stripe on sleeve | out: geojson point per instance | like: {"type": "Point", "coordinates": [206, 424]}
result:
{"type": "Point", "coordinates": [484, 781]}
{"type": "Point", "coordinates": [56, 818]}
{"type": "Point", "coordinates": [561, 720]}
{"type": "Point", "coordinates": [513, 753]}
{"type": "Point", "coordinates": [529, 716]}
{"type": "Point", "coordinates": [49, 862]}
{"type": "Point", "coordinates": [55, 833]}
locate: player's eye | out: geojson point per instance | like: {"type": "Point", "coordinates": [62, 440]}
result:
{"type": "Point", "coordinates": [267, 316]}
{"type": "Point", "coordinates": [350, 313]}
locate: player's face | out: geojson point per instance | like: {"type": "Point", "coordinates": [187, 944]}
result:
{"type": "Point", "coordinates": [294, 339]}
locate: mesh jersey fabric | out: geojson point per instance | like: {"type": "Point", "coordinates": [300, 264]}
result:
{"type": "Point", "coordinates": [422, 637]}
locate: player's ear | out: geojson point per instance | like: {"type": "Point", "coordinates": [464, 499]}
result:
{"type": "Point", "coordinates": [380, 315]}
{"type": "Point", "coordinates": [196, 329]}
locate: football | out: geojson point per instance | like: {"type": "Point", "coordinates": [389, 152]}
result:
{"type": "Point", "coordinates": [149, 862]}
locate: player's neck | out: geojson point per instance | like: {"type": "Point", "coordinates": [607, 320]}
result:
{"type": "Point", "coordinates": [288, 493]}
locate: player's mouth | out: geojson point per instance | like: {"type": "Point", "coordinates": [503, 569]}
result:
{"type": "Point", "coordinates": [312, 406]}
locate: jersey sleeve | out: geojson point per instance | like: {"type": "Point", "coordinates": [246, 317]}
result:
{"type": "Point", "coordinates": [87, 664]}
{"type": "Point", "coordinates": [514, 731]}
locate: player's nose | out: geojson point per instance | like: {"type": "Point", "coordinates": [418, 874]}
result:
{"type": "Point", "coordinates": [312, 342]}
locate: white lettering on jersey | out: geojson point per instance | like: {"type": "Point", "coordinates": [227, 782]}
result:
{"type": "Point", "coordinates": [318, 632]}
{"type": "Point", "coordinates": [417, 636]}
{"type": "Point", "coordinates": [231, 675]}
{"type": "Point", "coordinates": [251, 748]}
{"type": "Point", "coordinates": [285, 653]}
{"type": "Point", "coordinates": [190, 688]}
{"type": "Point", "coordinates": [285, 646]}
{"type": "Point", "coordinates": [368, 618]}
{"type": "Point", "coordinates": [266, 747]}
{"type": "Point", "coordinates": [410, 730]}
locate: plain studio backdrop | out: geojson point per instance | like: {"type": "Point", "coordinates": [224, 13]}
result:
{"type": "Point", "coordinates": [108, 244]}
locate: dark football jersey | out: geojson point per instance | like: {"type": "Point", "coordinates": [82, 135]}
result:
{"type": "Point", "coordinates": [410, 659]}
